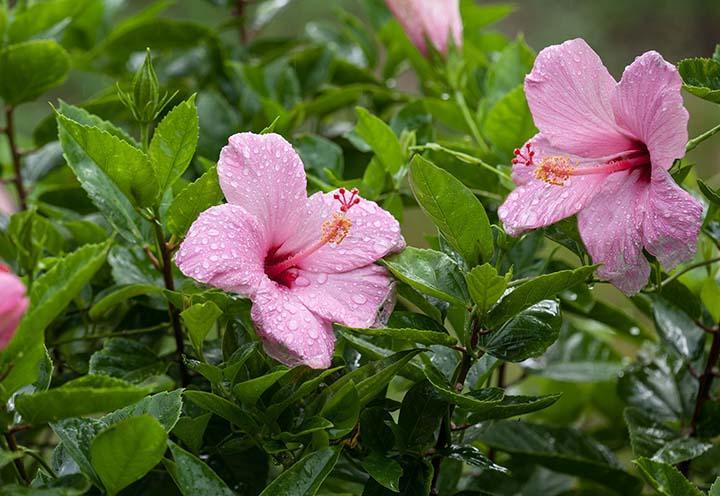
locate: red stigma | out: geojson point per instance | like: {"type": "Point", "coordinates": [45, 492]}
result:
{"type": "Point", "coordinates": [345, 202]}
{"type": "Point", "coordinates": [525, 158]}
{"type": "Point", "coordinates": [4, 268]}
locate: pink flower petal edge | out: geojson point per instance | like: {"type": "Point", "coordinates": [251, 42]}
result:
{"type": "Point", "coordinates": [304, 262]}
{"type": "Point", "coordinates": [13, 304]}
{"type": "Point", "coordinates": [602, 153]}
{"type": "Point", "coordinates": [438, 21]}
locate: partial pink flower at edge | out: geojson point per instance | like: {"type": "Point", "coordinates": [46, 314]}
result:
{"type": "Point", "coordinates": [304, 262]}
{"type": "Point", "coordinates": [603, 152]}
{"type": "Point", "coordinates": [13, 303]}
{"type": "Point", "coordinates": [435, 20]}
{"type": "Point", "coordinates": [7, 204]}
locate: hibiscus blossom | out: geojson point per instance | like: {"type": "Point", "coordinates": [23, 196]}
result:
{"type": "Point", "coordinates": [434, 20]}
{"type": "Point", "coordinates": [13, 304]}
{"type": "Point", "coordinates": [603, 153]}
{"type": "Point", "coordinates": [304, 262]}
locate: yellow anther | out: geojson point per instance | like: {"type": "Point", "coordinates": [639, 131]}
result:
{"type": "Point", "coordinates": [336, 229]}
{"type": "Point", "coordinates": [555, 170]}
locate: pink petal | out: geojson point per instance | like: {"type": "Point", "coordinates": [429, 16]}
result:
{"type": "Point", "coordinates": [569, 91]}
{"type": "Point", "coordinates": [374, 234]}
{"type": "Point", "coordinates": [672, 221]}
{"type": "Point", "coordinates": [13, 304]}
{"type": "Point", "coordinates": [7, 204]}
{"type": "Point", "coordinates": [290, 332]}
{"type": "Point", "coordinates": [359, 298]}
{"type": "Point", "coordinates": [225, 247]}
{"type": "Point", "coordinates": [648, 103]}
{"type": "Point", "coordinates": [263, 174]}
{"type": "Point", "coordinates": [535, 203]}
{"type": "Point", "coordinates": [611, 228]}
{"type": "Point", "coordinates": [435, 19]}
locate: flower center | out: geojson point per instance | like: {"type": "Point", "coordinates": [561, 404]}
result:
{"type": "Point", "coordinates": [556, 169]}
{"type": "Point", "coordinates": [334, 230]}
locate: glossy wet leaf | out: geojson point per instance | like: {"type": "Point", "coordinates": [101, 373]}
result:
{"type": "Point", "coordinates": [193, 477]}
{"type": "Point", "coordinates": [666, 479]}
{"type": "Point", "coordinates": [305, 476]}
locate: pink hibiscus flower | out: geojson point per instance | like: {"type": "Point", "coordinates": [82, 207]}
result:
{"type": "Point", "coordinates": [436, 20]}
{"type": "Point", "coordinates": [13, 304]}
{"type": "Point", "coordinates": [603, 153]}
{"type": "Point", "coordinates": [304, 262]}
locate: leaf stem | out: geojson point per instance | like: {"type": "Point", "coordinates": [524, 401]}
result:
{"type": "Point", "coordinates": [15, 154]}
{"type": "Point", "coordinates": [706, 380]}
{"type": "Point", "coordinates": [699, 139]}
{"type": "Point", "coordinates": [689, 268]}
{"type": "Point", "coordinates": [19, 466]}
{"type": "Point", "coordinates": [469, 119]}
{"type": "Point", "coordinates": [165, 258]}
{"type": "Point", "coordinates": [445, 435]}
{"type": "Point", "coordinates": [463, 157]}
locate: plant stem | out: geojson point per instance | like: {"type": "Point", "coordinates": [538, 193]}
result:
{"type": "Point", "coordinates": [689, 268]}
{"type": "Point", "coordinates": [145, 135]}
{"type": "Point", "coordinates": [706, 380]}
{"type": "Point", "coordinates": [172, 311]}
{"type": "Point", "coordinates": [445, 435]}
{"type": "Point", "coordinates": [241, 15]}
{"type": "Point", "coordinates": [15, 154]}
{"type": "Point", "coordinates": [12, 445]}
{"type": "Point", "coordinates": [699, 139]}
{"type": "Point", "coordinates": [463, 157]}
{"type": "Point", "coordinates": [470, 120]}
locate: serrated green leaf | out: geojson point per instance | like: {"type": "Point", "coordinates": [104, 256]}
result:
{"type": "Point", "coordinates": [666, 479]}
{"type": "Point", "coordinates": [430, 272]}
{"type": "Point", "coordinates": [126, 451]}
{"type": "Point", "coordinates": [454, 209]}
{"type": "Point", "coordinates": [381, 139]}
{"type": "Point", "coordinates": [485, 286]}
{"type": "Point", "coordinates": [126, 359]}
{"type": "Point", "coordinates": [119, 294]}
{"type": "Point", "coordinates": [173, 143]}
{"type": "Point", "coordinates": [195, 198]}
{"type": "Point", "coordinates": [305, 476]}
{"type": "Point", "coordinates": [701, 77]}
{"type": "Point", "coordinates": [509, 123]}
{"type": "Point", "coordinates": [127, 166]}
{"type": "Point", "coordinates": [193, 477]}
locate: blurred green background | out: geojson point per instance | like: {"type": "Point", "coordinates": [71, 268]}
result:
{"type": "Point", "coordinates": [619, 30]}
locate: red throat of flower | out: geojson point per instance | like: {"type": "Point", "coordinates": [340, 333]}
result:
{"type": "Point", "coordinates": [557, 169]}
{"type": "Point", "coordinates": [4, 268]}
{"type": "Point", "coordinates": [333, 230]}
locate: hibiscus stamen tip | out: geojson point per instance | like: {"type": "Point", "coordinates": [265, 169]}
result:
{"type": "Point", "coordinates": [525, 158]}
{"type": "Point", "coordinates": [555, 170]}
{"type": "Point", "coordinates": [345, 202]}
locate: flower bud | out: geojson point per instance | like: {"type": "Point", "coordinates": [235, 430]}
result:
{"type": "Point", "coordinates": [146, 101]}
{"type": "Point", "coordinates": [13, 303]}
{"type": "Point", "coordinates": [437, 21]}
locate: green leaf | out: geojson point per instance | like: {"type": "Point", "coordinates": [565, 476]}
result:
{"type": "Point", "coordinates": [223, 408]}
{"type": "Point", "coordinates": [126, 359]}
{"type": "Point", "coordinates": [192, 430]}
{"type": "Point", "coordinates": [305, 477]}
{"type": "Point", "coordinates": [509, 123]}
{"type": "Point", "coordinates": [195, 198]}
{"type": "Point", "coordinates": [165, 407]}
{"type": "Point", "coordinates": [30, 69]}
{"type": "Point", "coordinates": [119, 294]}
{"type": "Point", "coordinates": [173, 143]}
{"type": "Point", "coordinates": [712, 195]}
{"type": "Point", "coordinates": [710, 296]}
{"type": "Point", "coordinates": [454, 209]}
{"type": "Point", "coordinates": [677, 330]}
{"type": "Point", "coordinates": [563, 450]}
{"type": "Point", "coordinates": [430, 272]}
{"type": "Point", "coordinates": [486, 286]}
{"type": "Point", "coordinates": [412, 335]}
{"type": "Point", "coordinates": [535, 290]}
{"type": "Point", "coordinates": [249, 392]}
{"type": "Point", "coordinates": [420, 414]}
{"type": "Point", "coordinates": [127, 166]}
{"type": "Point", "coordinates": [309, 425]}
{"type": "Point", "coordinates": [46, 17]}
{"type": "Point", "coordinates": [509, 69]}
{"type": "Point", "coordinates": [666, 479]}
{"type": "Point", "coordinates": [701, 77]}
{"type": "Point", "coordinates": [319, 153]}
{"type": "Point", "coordinates": [109, 199]}
{"type": "Point", "coordinates": [715, 488]}
{"type": "Point", "coordinates": [383, 469]}
{"type": "Point", "coordinates": [50, 294]}
{"type": "Point", "coordinates": [199, 320]}
{"type": "Point", "coordinates": [342, 408]}
{"type": "Point", "coordinates": [84, 396]}
{"type": "Point", "coordinates": [526, 335]}
{"type": "Point", "coordinates": [381, 139]}
{"type": "Point", "coordinates": [126, 451]}
{"type": "Point", "coordinates": [193, 477]}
